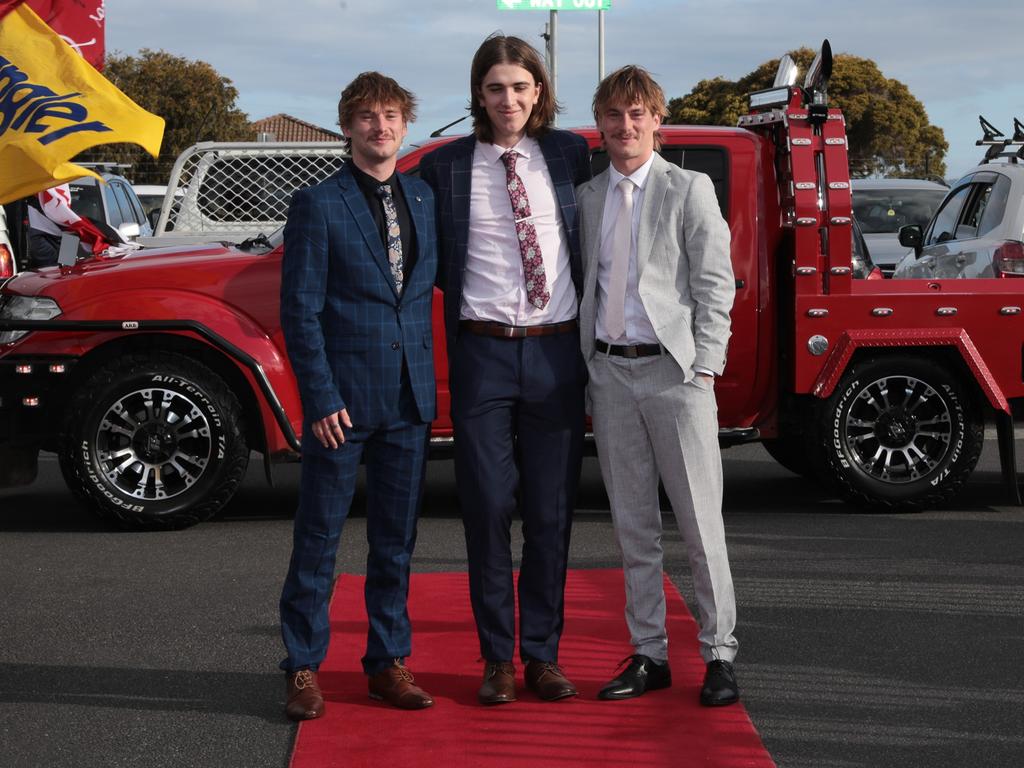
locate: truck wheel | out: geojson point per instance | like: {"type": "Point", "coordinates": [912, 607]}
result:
{"type": "Point", "coordinates": [899, 435]}
{"type": "Point", "coordinates": [154, 442]}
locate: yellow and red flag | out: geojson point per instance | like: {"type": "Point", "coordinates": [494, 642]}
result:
{"type": "Point", "coordinates": [54, 105]}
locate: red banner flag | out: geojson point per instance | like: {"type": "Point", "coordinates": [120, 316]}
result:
{"type": "Point", "coordinates": [80, 23]}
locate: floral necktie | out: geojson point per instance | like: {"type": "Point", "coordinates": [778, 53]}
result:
{"type": "Point", "coordinates": [533, 265]}
{"type": "Point", "coordinates": [394, 240]}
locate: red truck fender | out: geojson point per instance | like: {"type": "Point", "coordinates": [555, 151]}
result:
{"type": "Point", "coordinates": [954, 338]}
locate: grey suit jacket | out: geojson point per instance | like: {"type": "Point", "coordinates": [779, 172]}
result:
{"type": "Point", "coordinates": [686, 279]}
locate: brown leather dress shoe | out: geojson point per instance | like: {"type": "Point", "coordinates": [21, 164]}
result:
{"type": "Point", "coordinates": [545, 679]}
{"type": "Point", "coordinates": [305, 701]}
{"type": "Point", "coordinates": [396, 686]}
{"type": "Point", "coordinates": [499, 685]}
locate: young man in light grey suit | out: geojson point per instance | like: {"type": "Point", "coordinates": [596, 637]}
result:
{"type": "Point", "coordinates": [654, 325]}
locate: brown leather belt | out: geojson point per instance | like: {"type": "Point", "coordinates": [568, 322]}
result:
{"type": "Point", "coordinates": [487, 328]}
{"type": "Point", "coordinates": [631, 351]}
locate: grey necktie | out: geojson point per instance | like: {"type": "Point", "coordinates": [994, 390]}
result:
{"type": "Point", "coordinates": [622, 240]}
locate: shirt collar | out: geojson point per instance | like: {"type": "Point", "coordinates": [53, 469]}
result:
{"type": "Point", "coordinates": [638, 177]}
{"type": "Point", "coordinates": [492, 152]}
{"type": "Point", "coordinates": [369, 184]}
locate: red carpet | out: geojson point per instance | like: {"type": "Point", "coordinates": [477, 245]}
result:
{"type": "Point", "coordinates": [662, 728]}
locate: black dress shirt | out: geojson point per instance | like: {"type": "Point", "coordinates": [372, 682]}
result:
{"type": "Point", "coordinates": [369, 187]}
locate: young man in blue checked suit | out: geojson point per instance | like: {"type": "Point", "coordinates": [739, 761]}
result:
{"type": "Point", "coordinates": [356, 286]}
{"type": "Point", "coordinates": [509, 266]}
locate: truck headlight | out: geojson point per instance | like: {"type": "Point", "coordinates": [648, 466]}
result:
{"type": "Point", "coordinates": [14, 307]}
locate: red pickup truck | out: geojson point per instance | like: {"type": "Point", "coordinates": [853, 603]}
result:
{"type": "Point", "coordinates": [153, 375]}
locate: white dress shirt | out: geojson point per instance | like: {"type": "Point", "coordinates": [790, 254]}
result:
{"type": "Point", "coordinates": [493, 286]}
{"type": "Point", "coordinates": [638, 326]}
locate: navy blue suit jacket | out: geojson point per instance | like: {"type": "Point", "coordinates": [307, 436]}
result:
{"type": "Point", "coordinates": [449, 170]}
{"type": "Point", "coordinates": [347, 331]}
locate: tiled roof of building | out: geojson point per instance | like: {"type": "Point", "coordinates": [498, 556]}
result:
{"type": "Point", "coordinates": [287, 128]}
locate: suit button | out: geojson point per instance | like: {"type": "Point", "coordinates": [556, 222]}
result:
{"type": "Point", "coordinates": [395, 345]}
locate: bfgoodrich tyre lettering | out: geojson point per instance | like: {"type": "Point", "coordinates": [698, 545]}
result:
{"type": "Point", "coordinates": [154, 441]}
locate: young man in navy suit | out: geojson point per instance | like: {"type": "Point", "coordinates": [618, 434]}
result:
{"type": "Point", "coordinates": [509, 266]}
{"type": "Point", "coordinates": [356, 288]}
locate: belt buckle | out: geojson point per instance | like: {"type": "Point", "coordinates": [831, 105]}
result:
{"type": "Point", "coordinates": [514, 332]}
{"type": "Point", "coordinates": [631, 352]}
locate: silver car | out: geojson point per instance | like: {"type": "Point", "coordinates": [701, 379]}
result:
{"type": "Point", "coordinates": [977, 232]}
{"type": "Point", "coordinates": [882, 206]}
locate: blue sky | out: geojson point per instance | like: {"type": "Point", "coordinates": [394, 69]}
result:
{"type": "Point", "coordinates": [960, 59]}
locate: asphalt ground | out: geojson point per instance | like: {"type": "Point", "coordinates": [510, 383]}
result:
{"type": "Point", "coordinates": [865, 640]}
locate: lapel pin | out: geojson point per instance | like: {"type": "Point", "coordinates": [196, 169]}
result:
{"type": "Point", "coordinates": [419, 199]}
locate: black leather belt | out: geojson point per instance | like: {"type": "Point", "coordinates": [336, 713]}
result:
{"type": "Point", "coordinates": [631, 351]}
{"type": "Point", "coordinates": [487, 328]}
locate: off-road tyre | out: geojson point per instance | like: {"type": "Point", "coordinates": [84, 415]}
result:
{"type": "Point", "coordinates": [153, 442]}
{"type": "Point", "coordinates": [898, 434]}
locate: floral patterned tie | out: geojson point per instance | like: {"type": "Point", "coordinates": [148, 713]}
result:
{"type": "Point", "coordinates": [533, 265]}
{"type": "Point", "coordinates": [394, 234]}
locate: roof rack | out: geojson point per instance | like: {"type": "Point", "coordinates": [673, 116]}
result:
{"type": "Point", "coordinates": [998, 145]}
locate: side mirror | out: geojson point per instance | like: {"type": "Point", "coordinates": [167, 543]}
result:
{"type": "Point", "coordinates": [154, 217]}
{"type": "Point", "coordinates": [912, 237]}
{"type": "Point", "coordinates": [129, 230]}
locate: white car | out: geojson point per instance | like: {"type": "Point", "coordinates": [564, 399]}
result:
{"type": "Point", "coordinates": [882, 206]}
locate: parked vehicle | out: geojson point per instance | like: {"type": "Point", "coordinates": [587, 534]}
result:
{"type": "Point", "coordinates": [882, 206]}
{"type": "Point", "coordinates": [153, 374]}
{"type": "Point", "coordinates": [978, 230]}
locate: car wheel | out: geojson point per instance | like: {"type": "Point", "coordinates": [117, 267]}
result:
{"type": "Point", "coordinates": [899, 435]}
{"type": "Point", "coordinates": [154, 442]}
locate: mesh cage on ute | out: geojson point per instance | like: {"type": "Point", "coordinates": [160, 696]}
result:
{"type": "Point", "coordinates": [242, 189]}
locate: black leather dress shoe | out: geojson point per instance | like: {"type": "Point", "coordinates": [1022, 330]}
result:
{"type": "Point", "coordinates": [719, 686]}
{"type": "Point", "coordinates": [643, 674]}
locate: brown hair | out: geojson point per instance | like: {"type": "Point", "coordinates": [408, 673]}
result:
{"type": "Point", "coordinates": [372, 89]}
{"type": "Point", "coordinates": [504, 49]}
{"type": "Point", "coordinates": [631, 85]}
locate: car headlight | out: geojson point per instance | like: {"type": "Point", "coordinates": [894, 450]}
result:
{"type": "Point", "coordinates": [14, 307]}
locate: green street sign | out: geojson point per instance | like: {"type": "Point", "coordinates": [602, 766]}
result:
{"type": "Point", "coordinates": [554, 5]}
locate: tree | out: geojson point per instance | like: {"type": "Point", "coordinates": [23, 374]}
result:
{"type": "Point", "coordinates": [888, 128]}
{"type": "Point", "coordinates": [197, 102]}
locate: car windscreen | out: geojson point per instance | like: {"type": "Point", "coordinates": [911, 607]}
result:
{"type": "Point", "coordinates": [885, 211]}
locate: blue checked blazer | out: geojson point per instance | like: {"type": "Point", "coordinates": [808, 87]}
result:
{"type": "Point", "coordinates": [448, 170]}
{"type": "Point", "coordinates": [346, 329]}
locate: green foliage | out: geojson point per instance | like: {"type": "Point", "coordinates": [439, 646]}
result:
{"type": "Point", "coordinates": [888, 129]}
{"type": "Point", "coordinates": [197, 103]}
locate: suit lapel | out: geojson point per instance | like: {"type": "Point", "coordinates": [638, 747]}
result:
{"type": "Point", "coordinates": [418, 216]}
{"type": "Point", "coordinates": [650, 213]}
{"type": "Point", "coordinates": [356, 202]}
{"type": "Point", "coordinates": [560, 178]}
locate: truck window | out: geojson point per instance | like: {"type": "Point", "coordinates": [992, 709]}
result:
{"type": "Point", "coordinates": [714, 161]}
